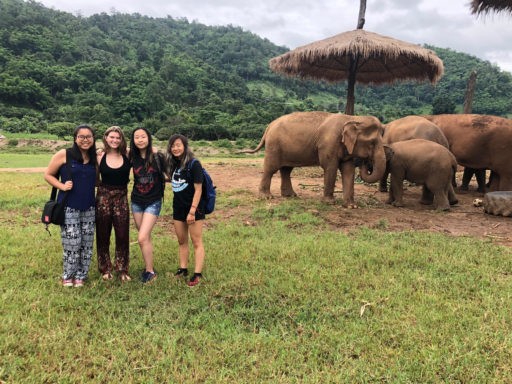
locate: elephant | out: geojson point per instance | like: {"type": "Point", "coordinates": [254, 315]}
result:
{"type": "Point", "coordinates": [407, 128]}
{"type": "Point", "coordinates": [423, 162]}
{"type": "Point", "coordinates": [480, 141]}
{"type": "Point", "coordinates": [331, 140]}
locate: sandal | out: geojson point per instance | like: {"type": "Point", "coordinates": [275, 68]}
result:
{"type": "Point", "coordinates": [125, 277]}
{"type": "Point", "coordinates": [107, 276]}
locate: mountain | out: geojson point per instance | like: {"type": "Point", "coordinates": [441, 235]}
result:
{"type": "Point", "coordinates": [58, 70]}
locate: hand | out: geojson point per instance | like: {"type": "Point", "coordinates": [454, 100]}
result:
{"type": "Point", "coordinates": [68, 185]}
{"type": "Point", "coordinates": [191, 218]}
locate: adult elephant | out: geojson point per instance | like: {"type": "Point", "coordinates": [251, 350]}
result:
{"type": "Point", "coordinates": [480, 141]}
{"type": "Point", "coordinates": [409, 128]}
{"type": "Point", "coordinates": [331, 140]}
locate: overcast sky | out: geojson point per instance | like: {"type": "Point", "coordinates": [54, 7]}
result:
{"type": "Point", "coordinates": [292, 23]}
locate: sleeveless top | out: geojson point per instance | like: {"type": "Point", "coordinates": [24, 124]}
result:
{"type": "Point", "coordinates": [115, 176]}
{"type": "Point", "coordinates": [81, 196]}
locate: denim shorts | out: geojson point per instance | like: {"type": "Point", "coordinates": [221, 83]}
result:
{"type": "Point", "coordinates": [152, 208]}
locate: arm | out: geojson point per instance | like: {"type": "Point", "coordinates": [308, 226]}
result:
{"type": "Point", "coordinates": [50, 175]}
{"type": "Point", "coordinates": [198, 189]}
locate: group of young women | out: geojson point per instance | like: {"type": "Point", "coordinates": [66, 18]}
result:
{"type": "Point", "coordinates": [109, 170]}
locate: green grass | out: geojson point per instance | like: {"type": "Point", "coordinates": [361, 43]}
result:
{"type": "Point", "coordinates": [22, 160]}
{"type": "Point", "coordinates": [285, 300]}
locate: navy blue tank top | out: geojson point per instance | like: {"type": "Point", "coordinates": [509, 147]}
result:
{"type": "Point", "coordinates": [81, 196]}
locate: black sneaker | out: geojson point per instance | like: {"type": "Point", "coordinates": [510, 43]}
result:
{"type": "Point", "coordinates": [181, 272]}
{"type": "Point", "coordinates": [148, 276]}
{"type": "Point", "coordinates": [195, 279]}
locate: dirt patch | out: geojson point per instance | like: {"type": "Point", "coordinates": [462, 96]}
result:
{"type": "Point", "coordinates": [464, 219]}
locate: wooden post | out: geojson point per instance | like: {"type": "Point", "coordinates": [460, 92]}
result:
{"type": "Point", "coordinates": [470, 92]}
{"type": "Point", "coordinates": [362, 11]}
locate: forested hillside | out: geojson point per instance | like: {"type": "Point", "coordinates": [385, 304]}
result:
{"type": "Point", "coordinates": [57, 70]}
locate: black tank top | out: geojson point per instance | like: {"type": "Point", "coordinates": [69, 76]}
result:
{"type": "Point", "coordinates": [115, 176]}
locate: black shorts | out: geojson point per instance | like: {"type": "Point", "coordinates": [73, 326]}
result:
{"type": "Point", "coordinates": [180, 213]}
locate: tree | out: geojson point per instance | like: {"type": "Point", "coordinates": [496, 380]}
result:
{"type": "Point", "coordinates": [442, 104]}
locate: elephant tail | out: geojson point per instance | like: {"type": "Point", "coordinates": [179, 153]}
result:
{"type": "Point", "coordinates": [260, 145]}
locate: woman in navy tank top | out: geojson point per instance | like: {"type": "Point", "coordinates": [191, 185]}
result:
{"type": "Point", "coordinates": [77, 233]}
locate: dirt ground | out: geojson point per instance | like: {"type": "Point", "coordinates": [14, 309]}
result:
{"type": "Point", "coordinates": [464, 219]}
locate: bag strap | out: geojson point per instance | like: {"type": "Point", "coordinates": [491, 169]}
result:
{"type": "Point", "coordinates": [53, 194]}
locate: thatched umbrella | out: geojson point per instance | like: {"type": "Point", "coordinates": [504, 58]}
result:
{"type": "Point", "coordinates": [360, 56]}
{"type": "Point", "coordinates": [485, 6]}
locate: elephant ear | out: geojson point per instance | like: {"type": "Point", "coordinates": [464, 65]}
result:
{"type": "Point", "coordinates": [388, 151]}
{"type": "Point", "coordinates": [349, 136]}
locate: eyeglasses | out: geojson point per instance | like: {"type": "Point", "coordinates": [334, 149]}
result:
{"type": "Point", "coordinates": [84, 137]}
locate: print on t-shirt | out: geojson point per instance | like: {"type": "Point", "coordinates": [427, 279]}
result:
{"type": "Point", "coordinates": [178, 183]}
{"type": "Point", "coordinates": [145, 179]}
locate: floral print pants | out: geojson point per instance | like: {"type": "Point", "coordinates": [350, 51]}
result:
{"type": "Point", "coordinates": [112, 211]}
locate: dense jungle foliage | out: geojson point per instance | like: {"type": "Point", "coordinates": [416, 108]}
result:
{"type": "Point", "coordinates": [168, 74]}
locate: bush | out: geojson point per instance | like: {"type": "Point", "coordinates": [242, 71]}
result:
{"type": "Point", "coordinates": [62, 129]}
{"type": "Point", "coordinates": [164, 133]}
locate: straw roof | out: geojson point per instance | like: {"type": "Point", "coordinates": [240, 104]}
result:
{"type": "Point", "coordinates": [381, 59]}
{"type": "Point", "coordinates": [486, 6]}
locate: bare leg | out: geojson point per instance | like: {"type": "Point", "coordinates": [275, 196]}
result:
{"type": "Point", "coordinates": [181, 229]}
{"type": "Point", "coordinates": [196, 235]}
{"type": "Point", "coordinates": [145, 223]}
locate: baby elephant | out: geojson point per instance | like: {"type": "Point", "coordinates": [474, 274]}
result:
{"type": "Point", "coordinates": [422, 162]}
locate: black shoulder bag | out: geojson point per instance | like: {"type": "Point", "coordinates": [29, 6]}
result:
{"type": "Point", "coordinates": [53, 211]}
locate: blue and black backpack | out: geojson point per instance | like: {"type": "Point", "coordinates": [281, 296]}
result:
{"type": "Point", "coordinates": [209, 193]}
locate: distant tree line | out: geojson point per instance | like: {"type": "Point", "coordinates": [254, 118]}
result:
{"type": "Point", "coordinates": [172, 75]}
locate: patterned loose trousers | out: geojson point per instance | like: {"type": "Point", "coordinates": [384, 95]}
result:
{"type": "Point", "coordinates": [112, 211]}
{"type": "Point", "coordinates": [77, 243]}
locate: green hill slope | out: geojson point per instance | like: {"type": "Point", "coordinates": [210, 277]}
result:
{"type": "Point", "coordinates": [174, 75]}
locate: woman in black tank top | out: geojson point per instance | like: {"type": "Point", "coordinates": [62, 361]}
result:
{"type": "Point", "coordinates": [112, 205]}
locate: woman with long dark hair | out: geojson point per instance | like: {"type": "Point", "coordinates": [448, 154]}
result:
{"type": "Point", "coordinates": [77, 232]}
{"type": "Point", "coordinates": [147, 194]}
{"type": "Point", "coordinates": [188, 210]}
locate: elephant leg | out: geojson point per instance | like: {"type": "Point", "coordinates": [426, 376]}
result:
{"type": "Point", "coordinates": [441, 200]}
{"type": "Point", "coordinates": [329, 182]}
{"type": "Point", "coordinates": [494, 182]}
{"type": "Point", "coordinates": [426, 196]}
{"type": "Point", "coordinates": [480, 179]}
{"type": "Point", "coordinates": [383, 184]}
{"type": "Point", "coordinates": [466, 178]}
{"type": "Point", "coordinates": [396, 192]}
{"type": "Point", "coordinates": [452, 197]}
{"type": "Point", "coordinates": [266, 179]}
{"type": "Point", "coordinates": [347, 170]}
{"type": "Point", "coordinates": [391, 196]}
{"type": "Point", "coordinates": [286, 182]}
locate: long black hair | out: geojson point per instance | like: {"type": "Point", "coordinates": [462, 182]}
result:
{"type": "Point", "coordinates": [135, 152]}
{"type": "Point", "coordinates": [173, 161]}
{"type": "Point", "coordinates": [75, 152]}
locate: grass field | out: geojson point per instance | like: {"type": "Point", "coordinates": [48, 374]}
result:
{"type": "Point", "coordinates": [286, 300]}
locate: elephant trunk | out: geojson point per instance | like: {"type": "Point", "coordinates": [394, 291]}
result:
{"type": "Point", "coordinates": [372, 170]}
